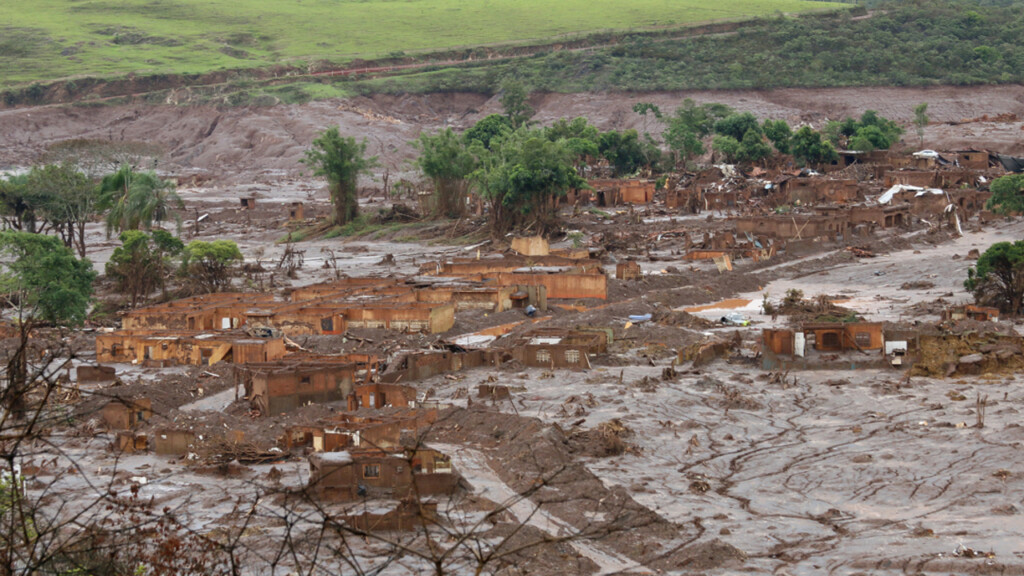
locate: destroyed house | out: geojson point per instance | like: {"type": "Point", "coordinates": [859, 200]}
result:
{"type": "Point", "coordinates": [973, 159]}
{"type": "Point", "coordinates": [421, 365]}
{"type": "Point", "coordinates": [561, 277]}
{"type": "Point", "coordinates": [409, 514]}
{"type": "Point", "coordinates": [885, 216]}
{"type": "Point", "coordinates": [555, 348]}
{"type": "Point", "coordinates": [825, 337]}
{"type": "Point", "coordinates": [530, 245]}
{"type": "Point", "coordinates": [381, 395]}
{"type": "Point", "coordinates": [798, 226]}
{"type": "Point", "coordinates": [506, 263]}
{"type": "Point", "coordinates": [172, 347]}
{"type": "Point", "coordinates": [920, 178]}
{"type": "Point", "coordinates": [358, 474]}
{"type": "Point", "coordinates": [839, 336]}
{"type": "Point", "coordinates": [613, 192]}
{"type": "Point", "coordinates": [285, 385]}
{"type": "Point", "coordinates": [218, 311]}
{"type": "Point", "coordinates": [324, 316]}
{"type": "Point", "coordinates": [816, 190]}
{"type": "Point", "coordinates": [381, 429]}
{"type": "Point", "coordinates": [972, 312]}
{"type": "Point", "coordinates": [124, 414]}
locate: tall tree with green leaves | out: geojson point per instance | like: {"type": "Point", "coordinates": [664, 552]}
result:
{"type": "Point", "coordinates": [581, 138]}
{"type": "Point", "coordinates": [522, 176]}
{"type": "Point", "coordinates": [487, 129]}
{"type": "Point", "coordinates": [341, 161]}
{"type": "Point", "coordinates": [626, 152]}
{"type": "Point", "coordinates": [447, 161]}
{"type": "Point", "coordinates": [1007, 195]}
{"type": "Point", "coordinates": [208, 266]}
{"type": "Point", "coordinates": [20, 204]}
{"type": "Point", "coordinates": [737, 125]}
{"type": "Point", "coordinates": [43, 282]}
{"type": "Point", "coordinates": [997, 279]}
{"type": "Point", "coordinates": [71, 201]}
{"type": "Point", "coordinates": [142, 263]}
{"type": "Point", "coordinates": [137, 200]}
{"type": "Point", "coordinates": [515, 101]}
{"type": "Point", "coordinates": [779, 133]}
{"type": "Point", "coordinates": [808, 146]}
{"type": "Point", "coordinates": [643, 108]}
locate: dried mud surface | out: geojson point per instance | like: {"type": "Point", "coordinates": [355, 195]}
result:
{"type": "Point", "coordinates": [261, 144]}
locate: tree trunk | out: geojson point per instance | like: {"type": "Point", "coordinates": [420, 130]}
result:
{"type": "Point", "coordinates": [81, 239]}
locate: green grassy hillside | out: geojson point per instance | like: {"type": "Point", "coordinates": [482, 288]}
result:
{"type": "Point", "coordinates": [49, 39]}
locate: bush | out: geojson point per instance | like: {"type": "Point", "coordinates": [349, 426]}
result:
{"type": "Point", "coordinates": [1007, 195]}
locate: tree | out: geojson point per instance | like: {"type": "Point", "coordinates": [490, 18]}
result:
{"type": "Point", "coordinates": [921, 120]}
{"type": "Point", "coordinates": [580, 137]}
{"type": "Point", "coordinates": [727, 146]}
{"type": "Point", "coordinates": [70, 201]}
{"type": "Point", "coordinates": [42, 281]}
{"type": "Point", "coordinates": [523, 176]}
{"type": "Point", "coordinates": [445, 159]}
{"type": "Point", "coordinates": [19, 203]}
{"type": "Point", "coordinates": [807, 145]}
{"type": "Point", "coordinates": [998, 277]}
{"type": "Point", "coordinates": [626, 152]}
{"type": "Point", "coordinates": [341, 161]}
{"type": "Point", "coordinates": [683, 141]}
{"type": "Point", "coordinates": [642, 108]}
{"type": "Point", "coordinates": [208, 265]}
{"type": "Point", "coordinates": [779, 133]}
{"type": "Point", "coordinates": [736, 126]}
{"type": "Point", "coordinates": [515, 102]}
{"type": "Point", "coordinates": [699, 120]}
{"type": "Point", "coordinates": [753, 147]}
{"type": "Point", "coordinates": [487, 129]}
{"type": "Point", "coordinates": [142, 263]}
{"type": "Point", "coordinates": [1007, 195]}
{"type": "Point", "coordinates": [136, 200]}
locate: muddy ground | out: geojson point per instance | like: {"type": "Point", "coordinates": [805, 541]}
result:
{"type": "Point", "coordinates": [265, 144]}
{"type": "Point", "coordinates": [721, 469]}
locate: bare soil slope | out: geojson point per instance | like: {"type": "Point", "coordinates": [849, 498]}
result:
{"type": "Point", "coordinates": [262, 144]}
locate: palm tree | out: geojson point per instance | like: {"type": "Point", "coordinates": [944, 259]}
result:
{"type": "Point", "coordinates": [137, 200]}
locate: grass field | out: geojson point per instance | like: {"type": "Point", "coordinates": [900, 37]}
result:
{"type": "Point", "coordinates": [51, 39]}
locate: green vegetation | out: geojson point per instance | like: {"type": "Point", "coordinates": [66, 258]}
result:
{"type": "Point", "coordinates": [49, 39]}
{"type": "Point", "coordinates": [808, 146]}
{"type": "Point", "coordinates": [998, 277]}
{"type": "Point", "coordinates": [43, 278]}
{"type": "Point", "coordinates": [142, 263]}
{"type": "Point", "coordinates": [928, 42]}
{"type": "Point", "coordinates": [341, 161]}
{"type": "Point", "coordinates": [136, 199]}
{"type": "Point", "coordinates": [1007, 195]}
{"type": "Point", "coordinates": [445, 159]}
{"type": "Point", "coordinates": [207, 266]}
